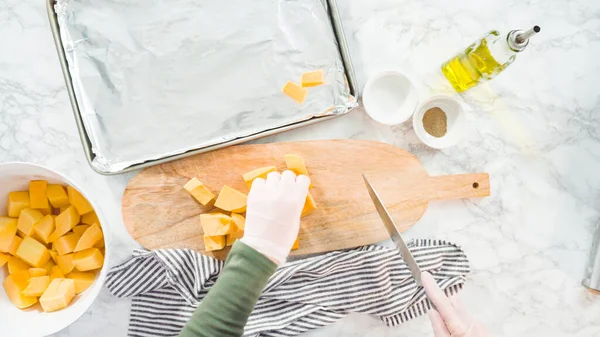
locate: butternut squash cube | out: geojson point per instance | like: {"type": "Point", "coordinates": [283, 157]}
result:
{"type": "Point", "coordinates": [14, 284]}
{"type": "Point", "coordinates": [58, 295]}
{"type": "Point", "coordinates": [294, 91]}
{"type": "Point", "coordinates": [231, 200]}
{"type": "Point", "coordinates": [296, 244]}
{"type": "Point", "coordinates": [33, 252]}
{"type": "Point", "coordinates": [78, 201]}
{"type": "Point", "coordinates": [233, 237]}
{"type": "Point", "coordinates": [309, 205]}
{"type": "Point", "coordinates": [80, 229]}
{"type": "Point", "coordinates": [37, 194]}
{"type": "Point", "coordinates": [82, 280]}
{"type": "Point", "coordinates": [199, 191]}
{"type": "Point", "coordinates": [15, 265]}
{"type": "Point", "coordinates": [88, 259]}
{"type": "Point", "coordinates": [238, 220]}
{"type": "Point", "coordinates": [296, 164]}
{"type": "Point", "coordinates": [89, 238]}
{"type": "Point", "coordinates": [36, 286]}
{"type": "Point", "coordinates": [66, 243]}
{"type": "Point", "coordinates": [57, 196]}
{"type": "Point", "coordinates": [16, 242]}
{"type": "Point", "coordinates": [312, 78]}
{"type": "Point", "coordinates": [215, 224]}
{"type": "Point", "coordinates": [64, 222]}
{"type": "Point", "coordinates": [44, 228]}
{"type": "Point", "coordinates": [3, 259]}
{"type": "Point", "coordinates": [46, 210]}
{"type": "Point", "coordinates": [27, 219]}
{"type": "Point", "coordinates": [214, 242]}
{"type": "Point", "coordinates": [35, 272]}
{"type": "Point", "coordinates": [65, 263]}
{"type": "Point", "coordinates": [90, 218]}
{"type": "Point", "coordinates": [56, 273]}
{"type": "Point", "coordinates": [48, 266]}
{"type": "Point", "coordinates": [258, 173]}
{"type": "Point", "coordinates": [8, 230]}
{"type": "Point", "coordinates": [17, 201]}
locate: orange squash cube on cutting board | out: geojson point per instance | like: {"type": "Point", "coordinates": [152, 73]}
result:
{"type": "Point", "coordinates": [8, 229]}
{"type": "Point", "coordinates": [57, 196]}
{"type": "Point", "coordinates": [90, 218]}
{"type": "Point", "coordinates": [64, 222]}
{"type": "Point", "coordinates": [44, 228]}
{"type": "Point", "coordinates": [214, 242]}
{"type": "Point", "coordinates": [312, 78]}
{"type": "Point", "coordinates": [231, 200]}
{"type": "Point", "coordinates": [233, 237]}
{"type": "Point", "coordinates": [37, 194]}
{"type": "Point", "coordinates": [27, 219]}
{"type": "Point", "coordinates": [17, 201]}
{"type": "Point", "coordinates": [215, 224]}
{"type": "Point", "coordinates": [36, 286]}
{"type": "Point", "coordinates": [238, 220]}
{"type": "Point", "coordinates": [296, 164]}
{"type": "Point", "coordinates": [89, 238]}
{"type": "Point", "coordinates": [82, 280]}
{"type": "Point", "coordinates": [58, 295]}
{"type": "Point", "coordinates": [33, 252]}
{"type": "Point", "coordinates": [258, 173]}
{"type": "Point", "coordinates": [78, 201]}
{"type": "Point", "coordinates": [294, 91]}
{"type": "Point", "coordinates": [88, 259]}
{"type": "Point", "coordinates": [199, 191]}
{"type": "Point", "coordinates": [309, 205]}
{"type": "Point", "coordinates": [296, 244]}
{"type": "Point", "coordinates": [66, 243]}
{"type": "Point", "coordinates": [14, 284]}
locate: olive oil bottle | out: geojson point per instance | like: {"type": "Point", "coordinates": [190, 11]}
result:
{"type": "Point", "coordinates": [486, 58]}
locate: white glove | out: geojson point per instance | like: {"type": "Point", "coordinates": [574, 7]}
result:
{"type": "Point", "coordinates": [450, 317]}
{"type": "Point", "coordinates": [273, 214]}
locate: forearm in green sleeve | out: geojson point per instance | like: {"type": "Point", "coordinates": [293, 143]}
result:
{"type": "Point", "coordinates": [227, 306]}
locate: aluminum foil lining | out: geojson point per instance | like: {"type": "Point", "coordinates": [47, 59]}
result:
{"type": "Point", "coordinates": [155, 78]}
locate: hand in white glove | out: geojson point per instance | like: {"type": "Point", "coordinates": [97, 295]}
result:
{"type": "Point", "coordinates": [273, 214]}
{"type": "Point", "coordinates": [449, 318]}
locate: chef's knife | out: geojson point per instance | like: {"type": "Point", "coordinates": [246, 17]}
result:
{"type": "Point", "coordinates": [394, 233]}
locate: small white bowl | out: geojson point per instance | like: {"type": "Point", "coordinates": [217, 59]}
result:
{"type": "Point", "coordinates": [32, 321]}
{"type": "Point", "coordinates": [389, 98]}
{"type": "Point", "coordinates": [456, 121]}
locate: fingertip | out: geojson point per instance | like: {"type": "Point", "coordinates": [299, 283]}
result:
{"type": "Point", "coordinates": [288, 175]}
{"type": "Point", "coordinates": [273, 176]}
{"type": "Point", "coordinates": [303, 181]}
{"type": "Point", "coordinates": [257, 182]}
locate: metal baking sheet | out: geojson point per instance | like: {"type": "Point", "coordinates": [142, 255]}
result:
{"type": "Point", "coordinates": [155, 81]}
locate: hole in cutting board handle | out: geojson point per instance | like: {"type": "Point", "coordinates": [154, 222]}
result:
{"type": "Point", "coordinates": [475, 185]}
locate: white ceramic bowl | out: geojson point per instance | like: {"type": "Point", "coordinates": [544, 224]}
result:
{"type": "Point", "coordinates": [456, 121]}
{"type": "Point", "coordinates": [389, 98]}
{"type": "Point", "coordinates": [33, 322]}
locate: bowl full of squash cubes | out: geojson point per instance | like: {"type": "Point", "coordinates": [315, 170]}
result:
{"type": "Point", "coordinates": [52, 250]}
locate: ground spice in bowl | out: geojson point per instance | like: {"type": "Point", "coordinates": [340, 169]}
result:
{"type": "Point", "coordinates": [435, 122]}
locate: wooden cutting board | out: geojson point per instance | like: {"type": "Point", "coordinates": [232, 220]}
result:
{"type": "Point", "coordinates": [159, 213]}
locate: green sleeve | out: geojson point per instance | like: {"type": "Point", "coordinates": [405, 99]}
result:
{"type": "Point", "coordinates": [227, 306]}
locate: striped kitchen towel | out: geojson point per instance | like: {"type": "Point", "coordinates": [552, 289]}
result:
{"type": "Point", "coordinates": [166, 285]}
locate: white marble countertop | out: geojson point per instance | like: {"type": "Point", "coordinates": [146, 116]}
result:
{"type": "Point", "coordinates": [535, 129]}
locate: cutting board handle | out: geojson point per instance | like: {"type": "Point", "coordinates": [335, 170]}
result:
{"type": "Point", "coordinates": [459, 186]}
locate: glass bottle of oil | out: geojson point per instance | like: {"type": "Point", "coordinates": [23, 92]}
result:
{"type": "Point", "coordinates": [486, 58]}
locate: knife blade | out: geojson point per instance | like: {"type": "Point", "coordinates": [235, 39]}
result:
{"type": "Point", "coordinates": [394, 233]}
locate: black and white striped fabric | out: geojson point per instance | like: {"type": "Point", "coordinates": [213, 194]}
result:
{"type": "Point", "coordinates": [166, 286]}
